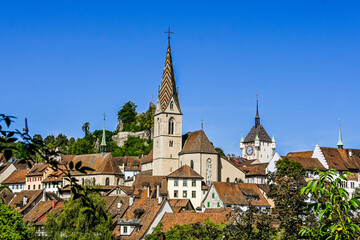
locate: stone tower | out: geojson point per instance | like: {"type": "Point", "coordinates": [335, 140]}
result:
{"type": "Point", "coordinates": [167, 123]}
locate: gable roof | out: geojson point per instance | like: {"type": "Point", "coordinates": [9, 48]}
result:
{"type": "Point", "coordinates": [31, 196]}
{"type": "Point", "coordinates": [259, 131]}
{"type": "Point", "coordinates": [105, 164]}
{"type": "Point", "coordinates": [58, 208]}
{"type": "Point", "coordinates": [185, 172]}
{"type": "Point", "coordinates": [142, 181]}
{"type": "Point", "coordinates": [39, 210]}
{"type": "Point", "coordinates": [18, 176]}
{"type": "Point", "coordinates": [178, 204]}
{"type": "Point", "coordinates": [128, 163]}
{"type": "Point", "coordinates": [150, 208]}
{"type": "Point", "coordinates": [197, 142]}
{"type": "Point", "coordinates": [171, 219]}
{"type": "Point", "coordinates": [255, 169]}
{"type": "Point", "coordinates": [37, 170]}
{"type": "Point", "coordinates": [147, 158]}
{"type": "Point", "coordinates": [237, 193]}
{"type": "Point", "coordinates": [308, 163]}
{"type": "Point", "coordinates": [340, 159]}
{"type": "Point", "coordinates": [6, 195]}
{"type": "Point", "coordinates": [4, 166]}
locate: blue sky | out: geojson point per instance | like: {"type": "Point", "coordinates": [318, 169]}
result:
{"type": "Point", "coordinates": [67, 62]}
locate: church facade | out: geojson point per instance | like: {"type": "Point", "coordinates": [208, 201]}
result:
{"type": "Point", "coordinates": [172, 149]}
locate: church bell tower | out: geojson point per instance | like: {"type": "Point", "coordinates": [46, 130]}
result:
{"type": "Point", "coordinates": [167, 121]}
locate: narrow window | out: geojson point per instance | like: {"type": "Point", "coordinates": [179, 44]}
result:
{"type": "Point", "coordinates": [39, 186]}
{"type": "Point", "coordinates": [193, 194]}
{"type": "Point", "coordinates": [171, 143]}
{"type": "Point", "coordinates": [158, 120]}
{"type": "Point", "coordinates": [192, 164]}
{"type": "Point", "coordinates": [176, 182]}
{"type": "Point", "coordinates": [227, 179]}
{"type": "Point", "coordinates": [218, 204]}
{"type": "Point", "coordinates": [185, 182]}
{"type": "Point", "coordinates": [193, 183]}
{"type": "Point", "coordinates": [107, 181]}
{"type": "Point", "coordinates": [208, 204]}
{"type": "Point", "coordinates": [82, 181]}
{"type": "Point", "coordinates": [171, 126]}
{"type": "Point", "coordinates": [175, 193]}
{"type": "Point", "coordinates": [184, 194]}
{"type": "Point", "coordinates": [171, 105]}
{"type": "Point", "coordinates": [125, 229]}
{"type": "Point", "coordinates": [213, 195]}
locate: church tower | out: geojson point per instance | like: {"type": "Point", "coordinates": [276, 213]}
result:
{"type": "Point", "coordinates": [167, 122]}
{"type": "Point", "coordinates": [258, 144]}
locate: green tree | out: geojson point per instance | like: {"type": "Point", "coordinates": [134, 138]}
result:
{"type": "Point", "coordinates": [49, 139]}
{"type": "Point", "coordinates": [332, 207]}
{"type": "Point", "coordinates": [81, 146]}
{"type": "Point", "coordinates": [285, 186]}
{"type": "Point", "coordinates": [12, 226]}
{"type": "Point", "coordinates": [127, 115]}
{"type": "Point", "coordinates": [206, 230]}
{"type": "Point", "coordinates": [86, 128]}
{"type": "Point", "coordinates": [134, 146]}
{"type": "Point", "coordinates": [220, 152]}
{"type": "Point", "coordinates": [75, 222]}
{"type": "Point", "coordinates": [38, 137]}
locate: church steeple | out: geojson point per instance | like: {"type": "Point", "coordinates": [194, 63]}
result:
{"type": "Point", "coordinates": [257, 116]}
{"type": "Point", "coordinates": [340, 143]}
{"type": "Point", "coordinates": [168, 88]}
{"type": "Point", "coordinates": [103, 141]}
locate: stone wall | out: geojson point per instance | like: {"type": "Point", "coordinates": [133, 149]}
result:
{"type": "Point", "coordinates": [122, 137]}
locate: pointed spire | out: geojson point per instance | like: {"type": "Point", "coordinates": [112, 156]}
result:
{"type": "Point", "coordinates": [168, 87]}
{"type": "Point", "coordinates": [242, 139]}
{"type": "Point", "coordinates": [257, 116]}
{"type": "Point", "coordinates": [273, 139]}
{"type": "Point", "coordinates": [257, 138]}
{"type": "Point", "coordinates": [340, 143]}
{"type": "Point", "coordinates": [103, 140]}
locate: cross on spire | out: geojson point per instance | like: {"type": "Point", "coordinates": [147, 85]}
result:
{"type": "Point", "coordinates": [257, 116]}
{"type": "Point", "coordinates": [169, 32]}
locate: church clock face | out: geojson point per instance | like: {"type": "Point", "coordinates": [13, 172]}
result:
{"type": "Point", "coordinates": [249, 150]}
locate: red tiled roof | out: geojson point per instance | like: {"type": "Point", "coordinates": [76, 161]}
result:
{"type": "Point", "coordinates": [185, 172]}
{"type": "Point", "coordinates": [18, 176]}
{"type": "Point", "coordinates": [197, 142]}
{"type": "Point", "coordinates": [148, 158]}
{"type": "Point", "coordinates": [255, 169]}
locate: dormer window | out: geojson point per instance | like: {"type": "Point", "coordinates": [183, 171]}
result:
{"type": "Point", "coordinates": [171, 143]}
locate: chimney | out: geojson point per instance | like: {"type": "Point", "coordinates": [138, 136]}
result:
{"type": "Point", "coordinates": [131, 201]}
{"type": "Point", "coordinates": [148, 191]}
{"type": "Point", "coordinates": [159, 200]}
{"type": "Point", "coordinates": [25, 200]}
{"type": "Point", "coordinates": [158, 191]}
{"type": "Point", "coordinates": [44, 198]}
{"type": "Point", "coordinates": [53, 204]}
{"type": "Point", "coordinates": [119, 204]}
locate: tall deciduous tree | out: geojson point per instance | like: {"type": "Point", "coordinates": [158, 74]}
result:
{"type": "Point", "coordinates": [12, 226]}
{"type": "Point", "coordinates": [86, 128]}
{"type": "Point", "coordinates": [285, 188]}
{"type": "Point", "coordinates": [127, 115]}
{"type": "Point", "coordinates": [75, 222]}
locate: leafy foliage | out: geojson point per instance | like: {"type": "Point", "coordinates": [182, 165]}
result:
{"type": "Point", "coordinates": [206, 230]}
{"type": "Point", "coordinates": [75, 222]}
{"type": "Point", "coordinates": [220, 152]}
{"type": "Point", "coordinates": [332, 207]}
{"type": "Point", "coordinates": [127, 115]}
{"type": "Point", "coordinates": [12, 226]}
{"type": "Point", "coordinates": [134, 146]}
{"type": "Point", "coordinates": [285, 186]}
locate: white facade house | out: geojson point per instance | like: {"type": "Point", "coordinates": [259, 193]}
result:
{"type": "Point", "coordinates": [185, 183]}
{"type": "Point", "coordinates": [16, 181]}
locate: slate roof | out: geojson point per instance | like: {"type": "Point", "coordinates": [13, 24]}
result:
{"type": "Point", "coordinates": [237, 193]}
{"type": "Point", "coordinates": [150, 209]}
{"type": "Point", "coordinates": [18, 176]}
{"type": "Point", "coordinates": [171, 219]}
{"type": "Point", "coordinates": [260, 131]}
{"type": "Point", "coordinates": [197, 142]}
{"type": "Point", "coordinates": [185, 172]}
{"type": "Point", "coordinates": [6, 195]}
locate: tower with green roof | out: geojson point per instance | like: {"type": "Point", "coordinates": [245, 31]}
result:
{"type": "Point", "coordinates": [103, 141]}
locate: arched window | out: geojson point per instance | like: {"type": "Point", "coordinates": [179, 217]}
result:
{"type": "Point", "coordinates": [171, 143]}
{"type": "Point", "coordinates": [94, 181]}
{"type": "Point", "coordinates": [192, 164]}
{"type": "Point", "coordinates": [236, 180]}
{"type": "Point", "coordinates": [158, 123]}
{"type": "Point", "coordinates": [227, 179]}
{"type": "Point", "coordinates": [107, 181]}
{"type": "Point", "coordinates": [171, 126]}
{"type": "Point", "coordinates": [171, 105]}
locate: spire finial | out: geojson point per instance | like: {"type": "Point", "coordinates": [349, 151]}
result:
{"type": "Point", "coordinates": [340, 143]}
{"type": "Point", "coordinates": [26, 129]}
{"type": "Point", "coordinates": [169, 32]}
{"type": "Point", "coordinates": [103, 140]}
{"type": "Point", "coordinates": [202, 124]}
{"type": "Point", "coordinates": [257, 116]}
